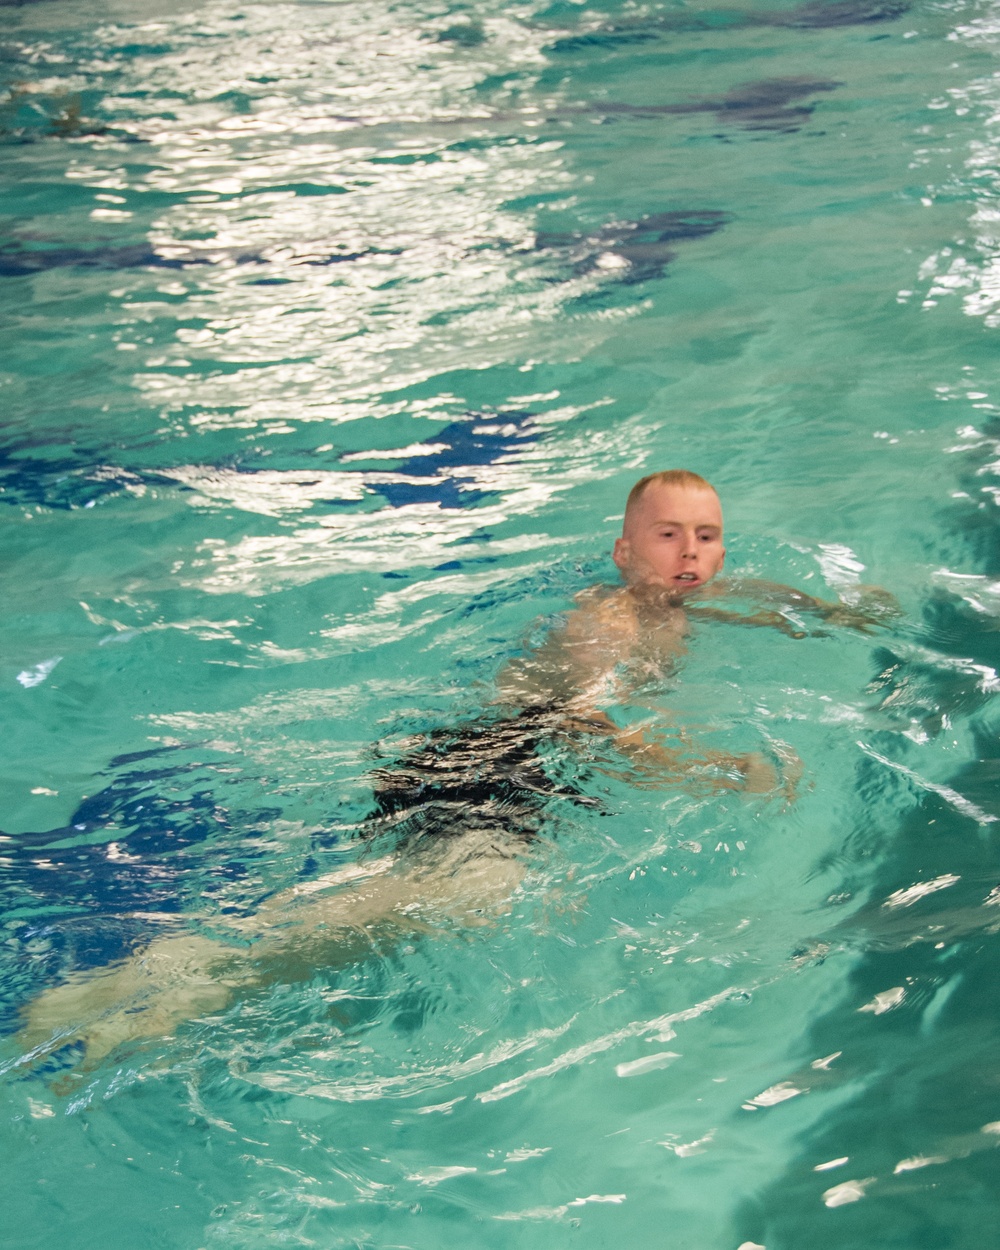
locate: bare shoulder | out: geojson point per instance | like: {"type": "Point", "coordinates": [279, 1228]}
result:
{"type": "Point", "coordinates": [606, 612]}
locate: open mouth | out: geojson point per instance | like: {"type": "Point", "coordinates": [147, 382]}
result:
{"type": "Point", "coordinates": [686, 577]}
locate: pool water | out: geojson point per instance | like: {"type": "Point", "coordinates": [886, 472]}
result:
{"type": "Point", "coordinates": [334, 335]}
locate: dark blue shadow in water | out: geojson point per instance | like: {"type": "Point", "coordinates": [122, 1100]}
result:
{"type": "Point", "coordinates": [21, 260]}
{"type": "Point", "coordinates": [62, 481]}
{"type": "Point", "coordinates": [474, 439]}
{"type": "Point", "coordinates": [647, 245]}
{"type": "Point", "coordinates": [31, 478]}
{"type": "Point", "coordinates": [154, 815]}
{"type": "Point", "coordinates": [73, 901]}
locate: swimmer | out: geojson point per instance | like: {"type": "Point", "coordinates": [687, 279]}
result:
{"type": "Point", "coordinates": [464, 804]}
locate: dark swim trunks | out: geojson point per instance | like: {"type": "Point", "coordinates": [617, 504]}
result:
{"type": "Point", "coordinates": [485, 775]}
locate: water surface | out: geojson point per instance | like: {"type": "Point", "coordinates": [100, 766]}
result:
{"type": "Point", "coordinates": [334, 335]}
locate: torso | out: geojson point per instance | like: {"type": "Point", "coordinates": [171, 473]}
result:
{"type": "Point", "coordinates": [613, 640]}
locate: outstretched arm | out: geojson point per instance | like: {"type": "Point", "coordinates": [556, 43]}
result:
{"type": "Point", "coordinates": [872, 607]}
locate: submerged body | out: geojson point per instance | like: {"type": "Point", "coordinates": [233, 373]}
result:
{"type": "Point", "coordinates": [462, 807]}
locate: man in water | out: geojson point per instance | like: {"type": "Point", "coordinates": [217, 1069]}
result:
{"type": "Point", "coordinates": [461, 807]}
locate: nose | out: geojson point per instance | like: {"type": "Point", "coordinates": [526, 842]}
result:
{"type": "Point", "coordinates": [689, 550]}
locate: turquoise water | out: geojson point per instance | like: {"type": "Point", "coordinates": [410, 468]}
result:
{"type": "Point", "coordinates": [334, 335]}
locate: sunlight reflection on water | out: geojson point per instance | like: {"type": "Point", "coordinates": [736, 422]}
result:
{"type": "Point", "coordinates": [338, 332]}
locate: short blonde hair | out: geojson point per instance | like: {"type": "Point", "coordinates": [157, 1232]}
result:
{"type": "Point", "coordinates": [667, 477]}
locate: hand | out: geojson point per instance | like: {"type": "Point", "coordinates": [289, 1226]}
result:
{"type": "Point", "coordinates": [871, 606]}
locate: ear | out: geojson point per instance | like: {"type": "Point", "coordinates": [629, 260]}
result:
{"type": "Point", "coordinates": [622, 553]}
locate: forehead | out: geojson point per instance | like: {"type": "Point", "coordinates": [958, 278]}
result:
{"type": "Point", "coordinates": [690, 504]}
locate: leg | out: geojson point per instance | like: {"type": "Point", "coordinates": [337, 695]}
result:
{"type": "Point", "coordinates": [327, 923]}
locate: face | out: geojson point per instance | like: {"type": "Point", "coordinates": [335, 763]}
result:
{"type": "Point", "coordinates": [672, 538]}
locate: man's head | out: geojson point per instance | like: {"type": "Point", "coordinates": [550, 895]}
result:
{"type": "Point", "coordinates": [672, 533]}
